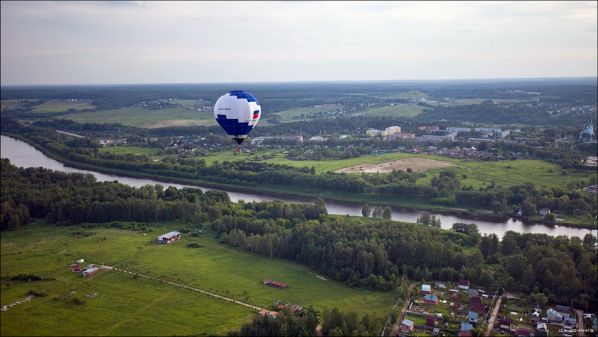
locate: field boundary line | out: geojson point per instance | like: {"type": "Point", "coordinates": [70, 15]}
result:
{"type": "Point", "coordinates": [179, 285]}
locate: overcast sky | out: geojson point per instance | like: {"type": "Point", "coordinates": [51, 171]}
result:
{"type": "Point", "coordinates": [198, 42]}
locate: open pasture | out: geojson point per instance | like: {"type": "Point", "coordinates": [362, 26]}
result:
{"type": "Point", "coordinates": [399, 110]}
{"type": "Point", "coordinates": [122, 304]}
{"type": "Point", "coordinates": [62, 106]}
{"type": "Point", "coordinates": [141, 117]}
{"type": "Point", "coordinates": [305, 112]}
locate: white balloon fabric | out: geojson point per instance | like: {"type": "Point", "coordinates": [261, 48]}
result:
{"type": "Point", "coordinates": [237, 112]}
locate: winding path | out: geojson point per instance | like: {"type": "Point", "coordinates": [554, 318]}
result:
{"type": "Point", "coordinates": [179, 285]}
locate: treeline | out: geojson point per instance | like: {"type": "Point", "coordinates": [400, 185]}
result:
{"type": "Point", "coordinates": [64, 199]}
{"type": "Point", "coordinates": [333, 323]}
{"type": "Point", "coordinates": [515, 113]}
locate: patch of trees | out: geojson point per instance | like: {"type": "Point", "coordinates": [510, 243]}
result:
{"type": "Point", "coordinates": [334, 323]}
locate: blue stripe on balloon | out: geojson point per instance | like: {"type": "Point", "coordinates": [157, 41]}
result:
{"type": "Point", "coordinates": [243, 94]}
{"type": "Point", "coordinates": [233, 127]}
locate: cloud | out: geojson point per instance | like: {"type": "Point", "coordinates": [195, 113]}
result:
{"type": "Point", "coordinates": [132, 42]}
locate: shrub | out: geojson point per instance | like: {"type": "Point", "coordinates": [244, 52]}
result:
{"type": "Point", "coordinates": [37, 293]}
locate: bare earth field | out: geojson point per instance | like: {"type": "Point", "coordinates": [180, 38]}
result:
{"type": "Point", "coordinates": [415, 164]}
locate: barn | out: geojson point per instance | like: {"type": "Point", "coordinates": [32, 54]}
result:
{"type": "Point", "coordinates": [90, 271]}
{"type": "Point", "coordinates": [169, 237]}
{"type": "Point", "coordinates": [275, 284]}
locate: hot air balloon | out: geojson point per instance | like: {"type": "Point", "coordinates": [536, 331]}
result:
{"type": "Point", "coordinates": [237, 112]}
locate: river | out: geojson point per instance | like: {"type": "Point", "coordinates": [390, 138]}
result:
{"type": "Point", "coordinates": [24, 155]}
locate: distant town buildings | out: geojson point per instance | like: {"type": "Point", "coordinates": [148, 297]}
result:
{"type": "Point", "coordinates": [317, 139]}
{"type": "Point", "coordinates": [429, 128]}
{"type": "Point", "coordinates": [587, 134]}
{"type": "Point", "coordinates": [260, 140]}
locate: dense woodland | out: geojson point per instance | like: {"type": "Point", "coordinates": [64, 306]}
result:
{"type": "Point", "coordinates": [361, 252]}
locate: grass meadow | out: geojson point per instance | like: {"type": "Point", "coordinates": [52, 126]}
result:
{"type": "Point", "coordinates": [400, 110]}
{"type": "Point", "coordinates": [141, 117]}
{"type": "Point", "coordinates": [479, 173]}
{"type": "Point", "coordinates": [288, 115]}
{"type": "Point", "coordinates": [60, 106]}
{"type": "Point", "coordinates": [124, 305]}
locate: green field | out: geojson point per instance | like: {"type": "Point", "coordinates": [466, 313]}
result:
{"type": "Point", "coordinates": [297, 113]}
{"type": "Point", "coordinates": [61, 106]}
{"type": "Point", "coordinates": [134, 306]}
{"type": "Point", "coordinates": [136, 150]}
{"type": "Point", "coordinates": [479, 173]}
{"type": "Point", "coordinates": [402, 110]}
{"type": "Point", "coordinates": [141, 117]}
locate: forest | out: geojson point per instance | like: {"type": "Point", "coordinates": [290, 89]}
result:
{"type": "Point", "coordinates": [362, 252]}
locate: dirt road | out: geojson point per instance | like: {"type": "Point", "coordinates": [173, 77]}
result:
{"type": "Point", "coordinates": [179, 285]}
{"type": "Point", "coordinates": [493, 316]}
{"type": "Point", "coordinates": [397, 325]}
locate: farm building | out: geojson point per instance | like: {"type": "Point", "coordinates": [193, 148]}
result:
{"type": "Point", "coordinates": [268, 313]}
{"type": "Point", "coordinates": [465, 330]}
{"type": "Point", "coordinates": [524, 332]}
{"type": "Point", "coordinates": [463, 284]}
{"type": "Point", "coordinates": [407, 325]}
{"type": "Point", "coordinates": [475, 304]}
{"type": "Point", "coordinates": [431, 299]}
{"type": "Point", "coordinates": [426, 288]}
{"type": "Point", "coordinates": [294, 308]}
{"type": "Point", "coordinates": [90, 271]}
{"type": "Point", "coordinates": [504, 323]}
{"type": "Point", "coordinates": [541, 330]}
{"type": "Point", "coordinates": [275, 284]}
{"type": "Point", "coordinates": [472, 317]}
{"type": "Point", "coordinates": [169, 237]}
{"type": "Point", "coordinates": [553, 316]}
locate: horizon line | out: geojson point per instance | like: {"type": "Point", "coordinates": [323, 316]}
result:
{"type": "Point", "coordinates": [307, 81]}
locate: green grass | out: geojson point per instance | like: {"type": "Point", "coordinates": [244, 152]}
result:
{"type": "Point", "coordinates": [136, 150]}
{"type": "Point", "coordinates": [516, 172]}
{"type": "Point", "coordinates": [297, 113]}
{"type": "Point", "coordinates": [479, 173]}
{"type": "Point", "coordinates": [141, 117]}
{"type": "Point", "coordinates": [143, 307]}
{"type": "Point", "coordinates": [402, 110]}
{"type": "Point", "coordinates": [320, 165]}
{"type": "Point", "coordinates": [60, 106]}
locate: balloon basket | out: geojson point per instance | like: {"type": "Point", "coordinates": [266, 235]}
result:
{"type": "Point", "coordinates": [237, 149]}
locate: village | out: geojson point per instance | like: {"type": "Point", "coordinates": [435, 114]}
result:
{"type": "Point", "coordinates": [458, 309]}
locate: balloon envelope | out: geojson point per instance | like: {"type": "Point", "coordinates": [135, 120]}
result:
{"type": "Point", "coordinates": [237, 112]}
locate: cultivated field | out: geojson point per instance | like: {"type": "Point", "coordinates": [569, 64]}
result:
{"type": "Point", "coordinates": [415, 164]}
{"type": "Point", "coordinates": [399, 110]}
{"type": "Point", "coordinates": [62, 106]}
{"type": "Point", "coordinates": [141, 117]}
{"type": "Point", "coordinates": [297, 113]}
{"type": "Point", "coordinates": [123, 304]}
{"type": "Point", "coordinates": [148, 151]}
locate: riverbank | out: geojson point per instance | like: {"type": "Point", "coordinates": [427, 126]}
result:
{"type": "Point", "coordinates": [301, 195]}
